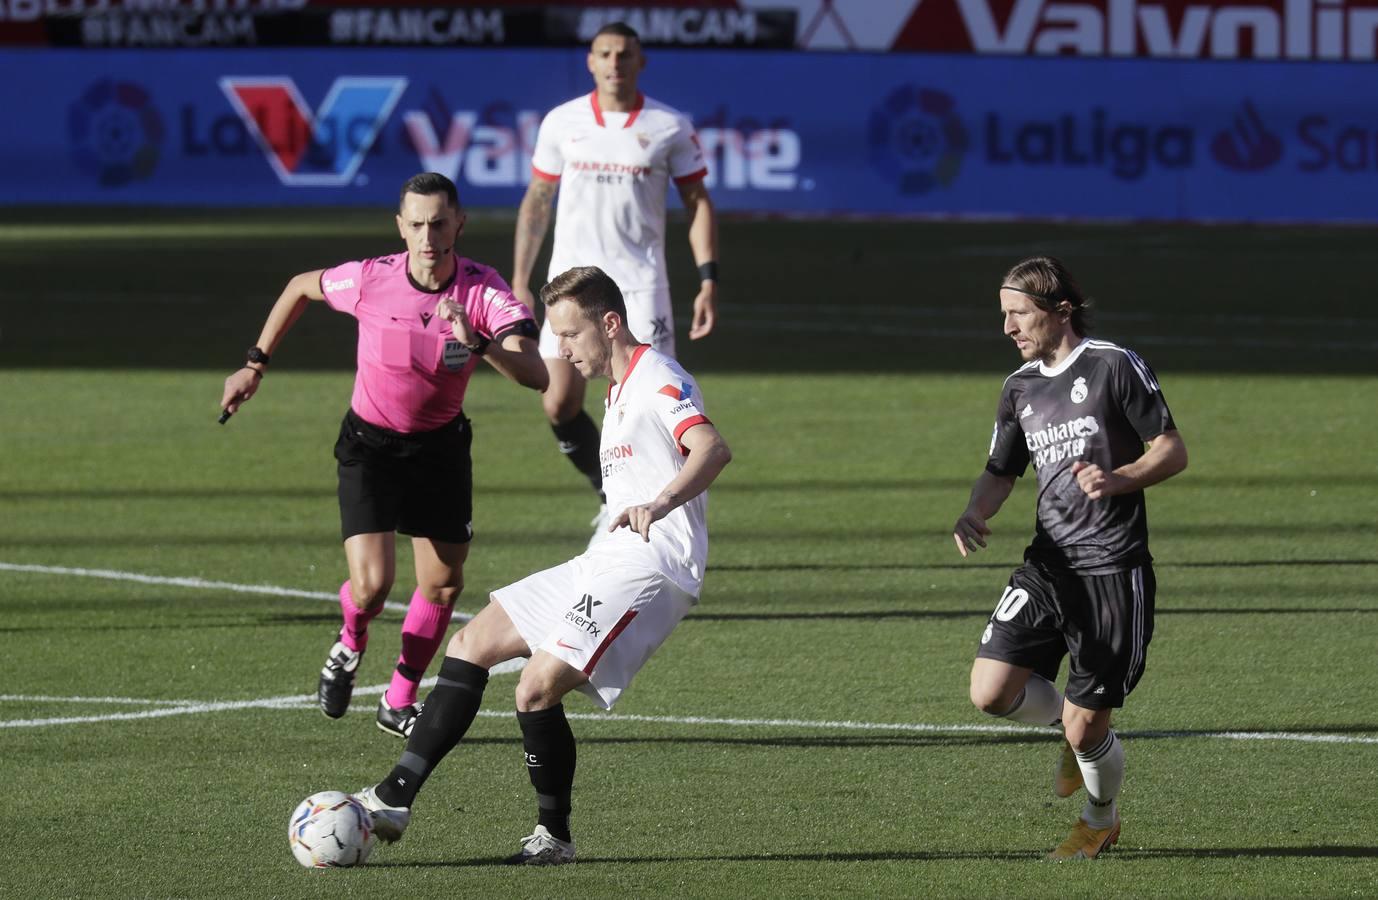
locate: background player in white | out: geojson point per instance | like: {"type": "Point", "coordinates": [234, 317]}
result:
{"type": "Point", "coordinates": [425, 317]}
{"type": "Point", "coordinates": [612, 155]}
{"type": "Point", "coordinates": [590, 623]}
{"type": "Point", "coordinates": [1081, 410]}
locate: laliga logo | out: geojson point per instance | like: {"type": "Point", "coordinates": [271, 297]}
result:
{"type": "Point", "coordinates": [320, 149]}
{"type": "Point", "coordinates": [917, 139]}
{"type": "Point", "coordinates": [116, 133]}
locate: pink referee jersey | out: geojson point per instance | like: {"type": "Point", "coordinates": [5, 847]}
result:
{"type": "Point", "coordinates": [614, 169]}
{"type": "Point", "coordinates": [412, 373]}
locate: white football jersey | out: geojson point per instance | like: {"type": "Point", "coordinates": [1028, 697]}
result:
{"type": "Point", "coordinates": [646, 414]}
{"type": "Point", "coordinates": [614, 170]}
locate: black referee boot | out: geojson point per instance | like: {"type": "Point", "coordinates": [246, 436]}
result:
{"type": "Point", "coordinates": [337, 680]}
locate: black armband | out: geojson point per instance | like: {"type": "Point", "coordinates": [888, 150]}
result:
{"type": "Point", "coordinates": [523, 328]}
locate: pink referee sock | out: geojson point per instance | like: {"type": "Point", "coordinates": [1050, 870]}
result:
{"type": "Point", "coordinates": [422, 631]}
{"type": "Point", "coordinates": [354, 634]}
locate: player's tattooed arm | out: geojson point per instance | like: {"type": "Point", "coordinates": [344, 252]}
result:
{"type": "Point", "coordinates": [533, 220]}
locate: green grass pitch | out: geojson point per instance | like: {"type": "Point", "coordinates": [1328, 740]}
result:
{"type": "Point", "coordinates": [806, 731]}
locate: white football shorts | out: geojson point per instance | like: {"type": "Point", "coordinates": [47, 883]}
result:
{"type": "Point", "coordinates": [599, 615]}
{"type": "Point", "coordinates": [648, 316]}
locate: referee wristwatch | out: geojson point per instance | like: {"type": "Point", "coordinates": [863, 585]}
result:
{"type": "Point", "coordinates": [256, 355]}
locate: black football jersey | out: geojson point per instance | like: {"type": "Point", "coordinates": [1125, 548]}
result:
{"type": "Point", "coordinates": [1100, 405]}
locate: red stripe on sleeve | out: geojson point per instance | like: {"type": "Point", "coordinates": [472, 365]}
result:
{"type": "Point", "coordinates": [685, 426]}
{"type": "Point", "coordinates": [544, 176]}
{"type": "Point", "coordinates": [607, 641]}
{"type": "Point", "coordinates": [700, 175]}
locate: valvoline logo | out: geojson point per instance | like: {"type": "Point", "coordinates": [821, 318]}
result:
{"type": "Point", "coordinates": [681, 392]}
{"type": "Point", "coordinates": [314, 149]}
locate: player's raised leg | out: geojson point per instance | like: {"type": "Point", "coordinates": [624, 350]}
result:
{"type": "Point", "coordinates": [549, 749]}
{"type": "Point", "coordinates": [1014, 692]}
{"type": "Point", "coordinates": [372, 567]}
{"type": "Point", "coordinates": [440, 580]}
{"type": "Point", "coordinates": [488, 639]}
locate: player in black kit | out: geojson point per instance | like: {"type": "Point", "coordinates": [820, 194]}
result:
{"type": "Point", "coordinates": [1081, 410]}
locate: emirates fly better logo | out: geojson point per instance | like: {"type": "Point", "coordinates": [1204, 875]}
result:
{"type": "Point", "coordinates": [324, 148]}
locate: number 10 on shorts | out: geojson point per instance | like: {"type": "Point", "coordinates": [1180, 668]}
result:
{"type": "Point", "coordinates": [1011, 602]}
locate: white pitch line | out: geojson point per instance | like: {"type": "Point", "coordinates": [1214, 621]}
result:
{"type": "Point", "coordinates": [293, 701]}
{"type": "Point", "coordinates": [198, 583]}
{"type": "Point", "coordinates": [119, 701]}
{"type": "Point", "coordinates": [307, 701]}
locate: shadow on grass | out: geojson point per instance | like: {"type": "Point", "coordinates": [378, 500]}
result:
{"type": "Point", "coordinates": [330, 617]}
{"type": "Point", "coordinates": [921, 614]}
{"type": "Point", "coordinates": [728, 486]}
{"type": "Point", "coordinates": [967, 564]}
{"type": "Point", "coordinates": [936, 736]}
{"type": "Point", "coordinates": [1034, 855]}
{"type": "Point", "coordinates": [743, 535]}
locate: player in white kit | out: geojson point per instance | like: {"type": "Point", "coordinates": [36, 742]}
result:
{"type": "Point", "coordinates": [591, 623]}
{"type": "Point", "coordinates": [612, 154]}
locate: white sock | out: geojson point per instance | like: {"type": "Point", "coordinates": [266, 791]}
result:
{"type": "Point", "coordinates": [1039, 704]}
{"type": "Point", "coordinates": [1102, 768]}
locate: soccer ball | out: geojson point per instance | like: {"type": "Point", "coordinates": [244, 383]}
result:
{"type": "Point", "coordinates": [330, 830]}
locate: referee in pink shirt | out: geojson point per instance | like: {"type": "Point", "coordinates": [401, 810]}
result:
{"type": "Point", "coordinates": [426, 317]}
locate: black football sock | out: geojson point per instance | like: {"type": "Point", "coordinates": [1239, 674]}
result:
{"type": "Point", "coordinates": [579, 441]}
{"type": "Point", "coordinates": [549, 746]}
{"type": "Point", "coordinates": [449, 711]}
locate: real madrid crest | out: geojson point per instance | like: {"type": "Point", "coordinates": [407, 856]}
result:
{"type": "Point", "coordinates": [1079, 390]}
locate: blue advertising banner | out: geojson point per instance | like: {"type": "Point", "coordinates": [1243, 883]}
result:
{"type": "Point", "coordinates": [784, 132]}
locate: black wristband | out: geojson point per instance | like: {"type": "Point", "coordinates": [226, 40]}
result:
{"type": "Point", "coordinates": [258, 372]}
{"type": "Point", "coordinates": [708, 271]}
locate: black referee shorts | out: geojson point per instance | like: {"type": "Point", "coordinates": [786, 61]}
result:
{"type": "Point", "coordinates": [1102, 622]}
{"type": "Point", "coordinates": [418, 484]}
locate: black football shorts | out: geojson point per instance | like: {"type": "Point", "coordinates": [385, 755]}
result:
{"type": "Point", "coordinates": [1102, 622]}
{"type": "Point", "coordinates": [418, 484]}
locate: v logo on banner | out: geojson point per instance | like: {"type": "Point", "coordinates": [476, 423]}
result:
{"type": "Point", "coordinates": [321, 149]}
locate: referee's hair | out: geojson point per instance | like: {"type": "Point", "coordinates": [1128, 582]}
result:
{"type": "Point", "coordinates": [589, 288]}
{"type": "Point", "coordinates": [621, 29]}
{"type": "Point", "coordinates": [1046, 281]}
{"type": "Point", "coordinates": [428, 183]}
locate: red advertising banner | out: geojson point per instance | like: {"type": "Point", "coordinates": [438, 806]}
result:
{"type": "Point", "coordinates": [1287, 30]}
{"type": "Point", "coordinates": [1160, 29]}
